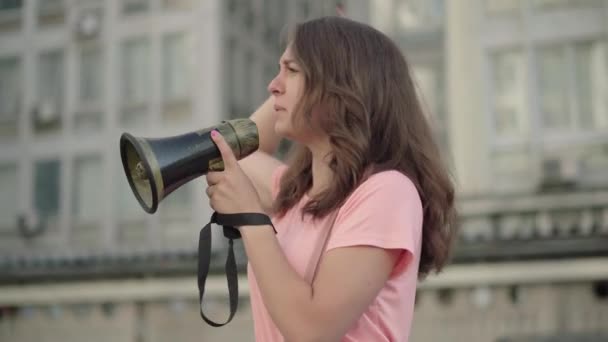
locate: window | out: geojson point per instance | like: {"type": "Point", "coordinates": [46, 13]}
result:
{"type": "Point", "coordinates": [178, 65]}
{"type": "Point", "coordinates": [591, 64]}
{"type": "Point", "coordinates": [87, 204]}
{"type": "Point", "coordinates": [90, 92]}
{"type": "Point", "coordinates": [51, 84]}
{"type": "Point", "coordinates": [553, 88]}
{"type": "Point", "coordinates": [10, 95]}
{"type": "Point", "coordinates": [573, 83]}
{"type": "Point", "coordinates": [239, 91]}
{"type": "Point", "coordinates": [131, 228]}
{"type": "Point", "coordinates": [509, 102]}
{"type": "Point", "coordinates": [427, 86]}
{"type": "Point", "coordinates": [380, 10]}
{"type": "Point", "coordinates": [130, 7]}
{"type": "Point", "coordinates": [304, 9]}
{"type": "Point", "coordinates": [10, 15]}
{"type": "Point", "coordinates": [419, 14]}
{"type": "Point", "coordinates": [135, 80]}
{"type": "Point", "coordinates": [274, 12]}
{"type": "Point", "coordinates": [47, 192]}
{"type": "Point", "coordinates": [176, 216]}
{"type": "Point", "coordinates": [548, 89]}
{"type": "Point", "coordinates": [428, 81]}
{"type": "Point", "coordinates": [8, 201]}
{"type": "Point", "coordinates": [177, 4]}
{"type": "Point", "coordinates": [51, 13]}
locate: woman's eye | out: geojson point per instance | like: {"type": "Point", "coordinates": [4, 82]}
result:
{"type": "Point", "coordinates": [292, 70]}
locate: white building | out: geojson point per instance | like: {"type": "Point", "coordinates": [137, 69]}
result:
{"type": "Point", "coordinates": [517, 89]}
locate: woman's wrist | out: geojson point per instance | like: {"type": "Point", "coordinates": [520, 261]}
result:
{"type": "Point", "coordinates": [264, 118]}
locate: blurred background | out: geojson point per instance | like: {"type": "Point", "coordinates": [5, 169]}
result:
{"type": "Point", "coordinates": [517, 91]}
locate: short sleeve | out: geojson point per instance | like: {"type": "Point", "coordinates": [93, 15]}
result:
{"type": "Point", "coordinates": [385, 211]}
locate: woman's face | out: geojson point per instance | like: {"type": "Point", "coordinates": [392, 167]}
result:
{"type": "Point", "coordinates": [286, 89]}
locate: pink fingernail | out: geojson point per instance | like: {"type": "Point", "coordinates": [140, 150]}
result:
{"type": "Point", "coordinates": [214, 133]}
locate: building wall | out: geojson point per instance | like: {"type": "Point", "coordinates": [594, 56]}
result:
{"type": "Point", "coordinates": [572, 311]}
{"type": "Point", "coordinates": [159, 68]}
{"type": "Point", "coordinates": [526, 84]}
{"type": "Point", "coordinates": [150, 70]}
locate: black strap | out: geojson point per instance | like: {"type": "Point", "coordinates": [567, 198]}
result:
{"type": "Point", "coordinates": [228, 221]}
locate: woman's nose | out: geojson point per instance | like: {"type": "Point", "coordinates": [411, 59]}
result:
{"type": "Point", "coordinates": [275, 87]}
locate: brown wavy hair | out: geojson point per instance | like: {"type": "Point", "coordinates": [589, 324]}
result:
{"type": "Point", "coordinates": [374, 122]}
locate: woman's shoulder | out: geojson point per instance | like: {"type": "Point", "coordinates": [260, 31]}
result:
{"type": "Point", "coordinates": [387, 188]}
{"type": "Point", "coordinates": [388, 180]}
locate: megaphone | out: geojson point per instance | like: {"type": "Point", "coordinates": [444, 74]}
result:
{"type": "Point", "coordinates": [155, 167]}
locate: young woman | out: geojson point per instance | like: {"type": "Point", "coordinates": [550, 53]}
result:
{"type": "Point", "coordinates": [365, 182]}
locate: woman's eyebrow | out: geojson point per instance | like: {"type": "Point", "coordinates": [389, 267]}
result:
{"type": "Point", "coordinates": [288, 61]}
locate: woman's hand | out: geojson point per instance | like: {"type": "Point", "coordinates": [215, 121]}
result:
{"type": "Point", "coordinates": [231, 191]}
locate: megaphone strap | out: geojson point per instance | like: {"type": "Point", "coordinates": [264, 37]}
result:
{"type": "Point", "coordinates": [228, 221]}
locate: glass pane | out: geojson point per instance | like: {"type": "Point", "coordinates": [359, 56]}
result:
{"type": "Point", "coordinates": [10, 4]}
{"type": "Point", "coordinates": [47, 192]}
{"type": "Point", "coordinates": [91, 75]}
{"type": "Point", "coordinates": [419, 14]}
{"type": "Point", "coordinates": [178, 4]}
{"type": "Point", "coordinates": [131, 228]}
{"type": "Point", "coordinates": [135, 81]}
{"type": "Point", "coordinates": [176, 214]}
{"type": "Point", "coordinates": [90, 98]}
{"type": "Point", "coordinates": [178, 64]}
{"type": "Point", "coordinates": [239, 75]}
{"type": "Point", "coordinates": [553, 88]}
{"type": "Point", "coordinates": [382, 15]}
{"type": "Point", "coordinates": [592, 84]}
{"type": "Point", "coordinates": [428, 88]}
{"type": "Point", "coordinates": [229, 77]}
{"type": "Point", "coordinates": [509, 80]}
{"type": "Point", "coordinates": [51, 12]}
{"type": "Point", "coordinates": [51, 84]}
{"type": "Point", "coordinates": [86, 200]}
{"type": "Point", "coordinates": [10, 95]}
{"type": "Point", "coordinates": [273, 13]}
{"type": "Point", "coordinates": [135, 6]}
{"type": "Point", "coordinates": [10, 15]}
{"type": "Point", "coordinates": [9, 199]}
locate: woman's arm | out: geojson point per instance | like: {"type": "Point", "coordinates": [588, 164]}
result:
{"type": "Point", "coordinates": [347, 282]}
{"type": "Point", "coordinates": [260, 165]}
{"type": "Point", "coordinates": [350, 274]}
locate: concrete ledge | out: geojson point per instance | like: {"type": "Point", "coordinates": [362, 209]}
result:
{"type": "Point", "coordinates": [470, 275]}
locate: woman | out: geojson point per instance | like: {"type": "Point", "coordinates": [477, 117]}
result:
{"type": "Point", "coordinates": [365, 167]}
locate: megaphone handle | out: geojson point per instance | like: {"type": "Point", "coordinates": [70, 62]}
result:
{"type": "Point", "coordinates": [228, 221]}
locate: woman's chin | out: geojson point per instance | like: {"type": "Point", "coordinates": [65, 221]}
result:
{"type": "Point", "coordinates": [281, 130]}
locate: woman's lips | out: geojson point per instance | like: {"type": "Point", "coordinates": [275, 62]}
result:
{"type": "Point", "coordinates": [278, 108]}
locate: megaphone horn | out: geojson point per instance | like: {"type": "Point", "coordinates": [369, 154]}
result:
{"type": "Point", "coordinates": [157, 167]}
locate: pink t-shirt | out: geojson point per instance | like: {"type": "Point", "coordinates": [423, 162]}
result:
{"type": "Point", "coordinates": [385, 211]}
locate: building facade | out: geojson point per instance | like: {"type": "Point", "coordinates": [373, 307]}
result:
{"type": "Point", "coordinates": [517, 91]}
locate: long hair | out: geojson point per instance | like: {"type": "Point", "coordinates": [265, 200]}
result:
{"type": "Point", "coordinates": [374, 122]}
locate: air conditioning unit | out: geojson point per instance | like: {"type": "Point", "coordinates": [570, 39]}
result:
{"type": "Point", "coordinates": [88, 23]}
{"type": "Point", "coordinates": [559, 172]}
{"type": "Point", "coordinates": [10, 15]}
{"type": "Point", "coordinates": [46, 112]}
